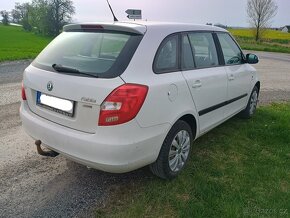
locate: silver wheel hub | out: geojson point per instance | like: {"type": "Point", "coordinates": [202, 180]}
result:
{"type": "Point", "coordinates": [253, 102]}
{"type": "Point", "coordinates": [179, 150]}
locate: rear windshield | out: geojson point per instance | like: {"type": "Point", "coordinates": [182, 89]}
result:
{"type": "Point", "coordinates": [103, 54]}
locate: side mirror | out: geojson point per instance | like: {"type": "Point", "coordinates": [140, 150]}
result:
{"type": "Point", "coordinates": [252, 59]}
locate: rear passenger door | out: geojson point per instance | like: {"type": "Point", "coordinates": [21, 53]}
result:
{"type": "Point", "coordinates": [238, 75]}
{"type": "Point", "coordinates": [206, 79]}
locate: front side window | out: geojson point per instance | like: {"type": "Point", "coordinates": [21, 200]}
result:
{"type": "Point", "coordinates": [204, 50]}
{"type": "Point", "coordinates": [232, 53]}
{"type": "Point", "coordinates": [102, 54]}
{"type": "Point", "coordinates": [166, 59]}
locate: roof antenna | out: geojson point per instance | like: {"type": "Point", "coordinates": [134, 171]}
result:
{"type": "Point", "coordinates": [115, 19]}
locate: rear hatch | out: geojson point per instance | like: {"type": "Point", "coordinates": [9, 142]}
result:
{"type": "Point", "coordinates": [69, 80]}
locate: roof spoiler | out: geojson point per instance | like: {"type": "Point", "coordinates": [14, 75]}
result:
{"type": "Point", "coordinates": [117, 26]}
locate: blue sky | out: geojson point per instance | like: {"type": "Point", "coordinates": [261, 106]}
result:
{"type": "Point", "coordinates": [229, 12]}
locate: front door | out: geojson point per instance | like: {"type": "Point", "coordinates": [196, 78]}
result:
{"type": "Point", "coordinates": [238, 75]}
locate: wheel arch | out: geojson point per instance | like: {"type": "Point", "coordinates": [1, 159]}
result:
{"type": "Point", "coordinates": [258, 85]}
{"type": "Point", "coordinates": [192, 122]}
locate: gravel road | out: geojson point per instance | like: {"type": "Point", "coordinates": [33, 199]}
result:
{"type": "Point", "coordinates": [36, 186]}
{"type": "Point", "coordinates": [274, 73]}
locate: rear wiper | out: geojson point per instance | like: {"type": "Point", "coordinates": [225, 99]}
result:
{"type": "Point", "coordinates": [60, 68]}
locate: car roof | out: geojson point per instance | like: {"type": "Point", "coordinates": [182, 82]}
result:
{"type": "Point", "coordinates": [176, 25]}
{"type": "Point", "coordinates": [140, 27]}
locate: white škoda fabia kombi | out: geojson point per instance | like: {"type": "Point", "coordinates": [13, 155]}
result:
{"type": "Point", "coordinates": [120, 96]}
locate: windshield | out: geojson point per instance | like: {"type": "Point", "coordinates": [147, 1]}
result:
{"type": "Point", "coordinates": [104, 54]}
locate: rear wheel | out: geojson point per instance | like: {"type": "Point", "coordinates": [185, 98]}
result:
{"type": "Point", "coordinates": [174, 152]}
{"type": "Point", "coordinates": [252, 104]}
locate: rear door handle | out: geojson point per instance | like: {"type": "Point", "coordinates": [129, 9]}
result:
{"type": "Point", "coordinates": [197, 84]}
{"type": "Point", "coordinates": [231, 77]}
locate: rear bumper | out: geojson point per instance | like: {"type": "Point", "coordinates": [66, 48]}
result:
{"type": "Point", "coordinates": [117, 149]}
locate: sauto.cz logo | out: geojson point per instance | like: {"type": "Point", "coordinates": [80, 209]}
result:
{"type": "Point", "coordinates": [49, 86]}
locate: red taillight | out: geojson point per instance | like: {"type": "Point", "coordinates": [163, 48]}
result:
{"type": "Point", "coordinates": [23, 95]}
{"type": "Point", "coordinates": [122, 105]}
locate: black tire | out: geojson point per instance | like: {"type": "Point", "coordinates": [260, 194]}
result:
{"type": "Point", "coordinates": [249, 111]}
{"type": "Point", "coordinates": [161, 166]}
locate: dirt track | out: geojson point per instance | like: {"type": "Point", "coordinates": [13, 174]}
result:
{"type": "Point", "coordinates": [35, 186]}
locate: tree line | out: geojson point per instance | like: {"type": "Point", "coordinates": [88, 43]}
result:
{"type": "Point", "coordinates": [45, 17]}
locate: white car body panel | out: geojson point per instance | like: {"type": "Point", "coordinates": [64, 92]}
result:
{"type": "Point", "coordinates": [78, 89]}
{"type": "Point", "coordinates": [239, 83]}
{"type": "Point", "coordinates": [213, 90]}
{"type": "Point", "coordinates": [112, 149]}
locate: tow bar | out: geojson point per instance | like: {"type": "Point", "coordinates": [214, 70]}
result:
{"type": "Point", "coordinates": [44, 153]}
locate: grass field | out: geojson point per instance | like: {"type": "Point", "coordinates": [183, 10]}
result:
{"type": "Point", "coordinates": [17, 44]}
{"type": "Point", "coordinates": [272, 40]}
{"type": "Point", "coordinates": [239, 169]}
{"type": "Point", "coordinates": [269, 34]}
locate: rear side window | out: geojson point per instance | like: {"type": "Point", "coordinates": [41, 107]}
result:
{"type": "Point", "coordinates": [104, 54]}
{"type": "Point", "coordinates": [166, 59]}
{"type": "Point", "coordinates": [232, 53]}
{"type": "Point", "coordinates": [204, 49]}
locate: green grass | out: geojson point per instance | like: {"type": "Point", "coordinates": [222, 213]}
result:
{"type": "Point", "coordinates": [17, 44]}
{"type": "Point", "coordinates": [241, 168]}
{"type": "Point", "coordinates": [272, 40]}
{"type": "Point", "coordinates": [251, 44]}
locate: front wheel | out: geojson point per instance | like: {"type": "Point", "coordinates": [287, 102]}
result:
{"type": "Point", "coordinates": [252, 104]}
{"type": "Point", "coordinates": [174, 152]}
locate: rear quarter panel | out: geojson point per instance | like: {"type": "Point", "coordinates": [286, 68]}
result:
{"type": "Point", "coordinates": [168, 97]}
